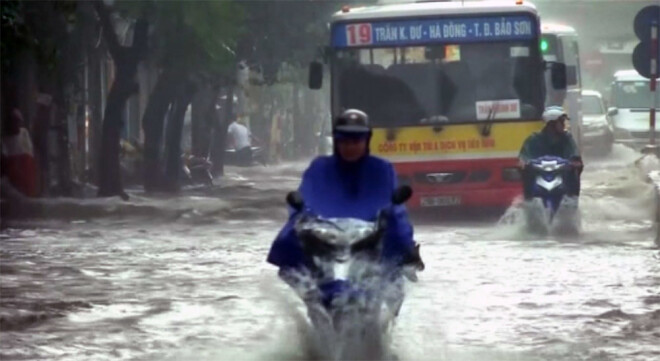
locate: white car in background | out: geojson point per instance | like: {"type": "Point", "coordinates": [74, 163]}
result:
{"type": "Point", "coordinates": [631, 102]}
{"type": "Point", "coordinates": [597, 134]}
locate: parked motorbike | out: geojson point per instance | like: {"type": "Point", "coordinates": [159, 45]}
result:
{"type": "Point", "coordinates": [196, 170]}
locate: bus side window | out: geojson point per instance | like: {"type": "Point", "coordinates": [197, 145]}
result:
{"type": "Point", "coordinates": [576, 53]}
{"type": "Point", "coordinates": [571, 57]}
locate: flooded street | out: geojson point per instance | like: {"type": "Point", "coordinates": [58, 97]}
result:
{"type": "Point", "coordinates": [187, 280]}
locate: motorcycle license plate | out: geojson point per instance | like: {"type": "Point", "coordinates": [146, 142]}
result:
{"type": "Point", "coordinates": [440, 201]}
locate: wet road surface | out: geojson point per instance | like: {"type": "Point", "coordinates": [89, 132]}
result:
{"type": "Point", "coordinates": [185, 279]}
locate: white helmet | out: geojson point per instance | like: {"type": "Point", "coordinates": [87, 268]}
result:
{"type": "Point", "coordinates": [553, 113]}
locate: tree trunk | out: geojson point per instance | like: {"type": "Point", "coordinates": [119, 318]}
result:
{"type": "Point", "coordinates": [64, 75]}
{"type": "Point", "coordinates": [126, 60]}
{"type": "Point", "coordinates": [67, 75]}
{"type": "Point", "coordinates": [109, 169]}
{"type": "Point", "coordinates": [173, 138]}
{"type": "Point", "coordinates": [45, 123]}
{"type": "Point", "coordinates": [220, 134]}
{"type": "Point", "coordinates": [203, 107]}
{"type": "Point", "coordinates": [65, 185]}
{"type": "Point", "coordinates": [95, 113]}
{"type": "Point", "coordinates": [152, 123]}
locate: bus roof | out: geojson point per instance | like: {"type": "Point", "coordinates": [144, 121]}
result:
{"type": "Point", "coordinates": [432, 8]}
{"type": "Point", "coordinates": [554, 28]}
{"type": "Point", "coordinates": [631, 75]}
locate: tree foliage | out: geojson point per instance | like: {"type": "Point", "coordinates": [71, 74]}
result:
{"type": "Point", "coordinates": [199, 36]}
{"type": "Point", "coordinates": [285, 32]}
{"type": "Point", "coordinates": [191, 45]}
{"type": "Point", "coordinates": [35, 26]}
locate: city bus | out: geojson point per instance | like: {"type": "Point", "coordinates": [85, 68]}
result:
{"type": "Point", "coordinates": [452, 90]}
{"type": "Point", "coordinates": [559, 43]}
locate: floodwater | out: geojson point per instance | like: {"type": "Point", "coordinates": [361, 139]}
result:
{"type": "Point", "coordinates": [185, 279]}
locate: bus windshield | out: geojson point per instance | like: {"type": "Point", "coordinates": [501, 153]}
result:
{"type": "Point", "coordinates": [413, 85]}
{"type": "Point", "coordinates": [632, 94]}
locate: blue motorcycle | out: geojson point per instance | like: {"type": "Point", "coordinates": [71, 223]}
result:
{"type": "Point", "coordinates": [351, 298]}
{"type": "Point", "coordinates": [549, 185]}
{"type": "Point", "coordinates": [551, 207]}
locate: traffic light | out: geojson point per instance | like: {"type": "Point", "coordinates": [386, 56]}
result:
{"type": "Point", "coordinates": [548, 44]}
{"type": "Point", "coordinates": [647, 26]}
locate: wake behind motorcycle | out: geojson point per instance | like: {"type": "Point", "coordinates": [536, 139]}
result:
{"type": "Point", "coordinates": [351, 298]}
{"type": "Point", "coordinates": [551, 208]}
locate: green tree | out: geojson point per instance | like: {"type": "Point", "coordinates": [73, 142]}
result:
{"type": "Point", "coordinates": [44, 31]}
{"type": "Point", "coordinates": [193, 47]}
{"type": "Point", "coordinates": [282, 37]}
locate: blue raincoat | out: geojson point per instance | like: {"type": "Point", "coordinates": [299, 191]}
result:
{"type": "Point", "coordinates": [332, 187]}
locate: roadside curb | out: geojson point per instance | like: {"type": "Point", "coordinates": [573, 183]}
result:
{"type": "Point", "coordinates": [654, 177]}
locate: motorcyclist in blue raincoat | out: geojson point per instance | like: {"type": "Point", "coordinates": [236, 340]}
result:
{"type": "Point", "coordinates": [553, 140]}
{"type": "Point", "coordinates": [349, 183]}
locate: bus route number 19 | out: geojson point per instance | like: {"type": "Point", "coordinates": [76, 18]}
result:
{"type": "Point", "coordinates": [358, 34]}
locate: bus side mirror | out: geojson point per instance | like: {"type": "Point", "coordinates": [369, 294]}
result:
{"type": "Point", "coordinates": [558, 76]}
{"type": "Point", "coordinates": [315, 75]}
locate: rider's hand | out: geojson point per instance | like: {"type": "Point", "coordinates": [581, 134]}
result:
{"type": "Point", "coordinates": [522, 164]}
{"type": "Point", "coordinates": [419, 264]}
{"type": "Point", "coordinates": [311, 295]}
{"type": "Point", "coordinates": [576, 164]}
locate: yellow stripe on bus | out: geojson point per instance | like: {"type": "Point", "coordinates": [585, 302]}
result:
{"type": "Point", "coordinates": [451, 140]}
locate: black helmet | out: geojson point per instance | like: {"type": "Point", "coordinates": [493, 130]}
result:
{"type": "Point", "coordinates": [352, 121]}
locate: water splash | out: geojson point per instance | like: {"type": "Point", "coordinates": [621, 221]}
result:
{"type": "Point", "coordinates": [615, 190]}
{"type": "Point", "coordinates": [358, 322]}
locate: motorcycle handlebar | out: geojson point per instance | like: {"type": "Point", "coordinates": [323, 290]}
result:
{"type": "Point", "coordinates": [400, 196]}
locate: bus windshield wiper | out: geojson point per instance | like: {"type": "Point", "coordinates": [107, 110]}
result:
{"type": "Point", "coordinates": [488, 123]}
